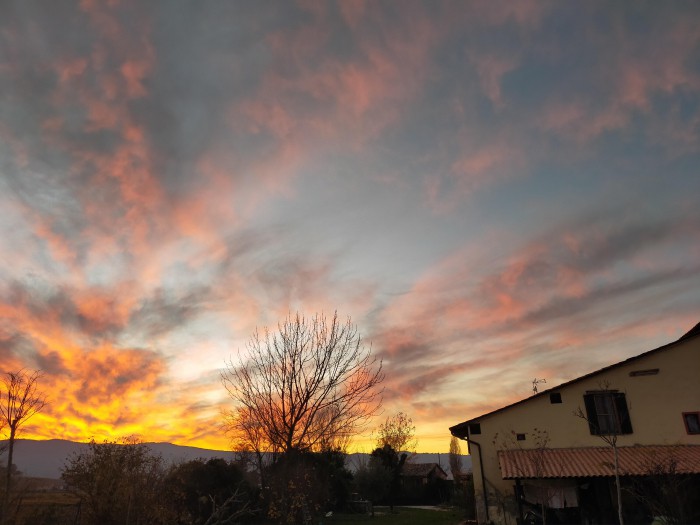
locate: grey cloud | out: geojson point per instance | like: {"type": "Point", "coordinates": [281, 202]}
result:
{"type": "Point", "coordinates": [208, 57]}
{"type": "Point", "coordinates": [165, 311]}
{"type": "Point", "coordinates": [565, 307]}
{"type": "Point", "coordinates": [606, 242]}
{"type": "Point", "coordinates": [622, 242]}
{"type": "Point", "coordinates": [15, 344]}
{"type": "Point", "coordinates": [50, 362]}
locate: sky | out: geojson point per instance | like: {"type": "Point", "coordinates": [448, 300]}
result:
{"type": "Point", "coordinates": [492, 191]}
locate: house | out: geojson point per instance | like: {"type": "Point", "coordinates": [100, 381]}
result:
{"type": "Point", "coordinates": [557, 448]}
{"type": "Point", "coordinates": [423, 483]}
{"type": "Point", "coordinates": [422, 473]}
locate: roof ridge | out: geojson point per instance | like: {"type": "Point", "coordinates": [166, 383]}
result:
{"type": "Point", "coordinates": [695, 330]}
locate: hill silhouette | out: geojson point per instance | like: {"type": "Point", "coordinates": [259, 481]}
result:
{"type": "Point", "coordinates": [46, 458]}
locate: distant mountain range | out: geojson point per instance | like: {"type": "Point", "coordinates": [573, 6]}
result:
{"type": "Point", "coordinates": [45, 459]}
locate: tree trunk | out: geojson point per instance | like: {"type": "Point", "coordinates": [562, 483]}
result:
{"type": "Point", "coordinates": [259, 459]}
{"type": "Point", "coordinates": [8, 476]}
{"type": "Point", "coordinates": [544, 514]}
{"type": "Point", "coordinates": [617, 485]}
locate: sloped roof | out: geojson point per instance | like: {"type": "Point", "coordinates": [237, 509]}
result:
{"type": "Point", "coordinates": [598, 461]}
{"type": "Point", "coordinates": [691, 333]}
{"type": "Point", "coordinates": [460, 429]}
{"type": "Point", "coordinates": [421, 470]}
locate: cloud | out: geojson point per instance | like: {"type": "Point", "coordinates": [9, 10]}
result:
{"type": "Point", "coordinates": [172, 178]}
{"type": "Point", "coordinates": [531, 307]}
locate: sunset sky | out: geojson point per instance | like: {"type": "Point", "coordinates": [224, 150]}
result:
{"type": "Point", "coordinates": [492, 191]}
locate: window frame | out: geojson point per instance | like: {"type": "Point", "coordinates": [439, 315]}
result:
{"type": "Point", "coordinates": [685, 422]}
{"type": "Point", "coordinates": [616, 413]}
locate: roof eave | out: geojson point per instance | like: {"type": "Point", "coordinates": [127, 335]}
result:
{"type": "Point", "coordinates": [692, 333]}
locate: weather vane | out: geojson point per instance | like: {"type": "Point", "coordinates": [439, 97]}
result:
{"type": "Point", "coordinates": [536, 382]}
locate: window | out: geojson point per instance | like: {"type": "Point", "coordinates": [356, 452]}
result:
{"type": "Point", "coordinates": [692, 422]}
{"type": "Point", "coordinates": [474, 428]}
{"type": "Point", "coordinates": [555, 398]}
{"type": "Point", "coordinates": [607, 413]}
{"type": "Point", "coordinates": [520, 437]}
{"type": "Point", "coordinates": [649, 372]}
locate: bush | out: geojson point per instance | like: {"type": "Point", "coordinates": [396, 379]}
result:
{"type": "Point", "coordinates": [119, 483]}
{"type": "Point", "coordinates": [196, 489]}
{"type": "Point", "coordinates": [303, 485]}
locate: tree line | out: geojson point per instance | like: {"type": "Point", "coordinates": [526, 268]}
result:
{"type": "Point", "coordinates": [299, 394]}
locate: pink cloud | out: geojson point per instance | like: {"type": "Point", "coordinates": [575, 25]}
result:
{"type": "Point", "coordinates": [71, 69]}
{"type": "Point", "coordinates": [59, 248]}
{"type": "Point", "coordinates": [582, 122]}
{"type": "Point", "coordinates": [134, 73]}
{"type": "Point", "coordinates": [353, 11]}
{"type": "Point", "coordinates": [474, 168]}
{"type": "Point", "coordinates": [491, 69]}
{"type": "Point", "coordinates": [662, 65]}
{"type": "Point", "coordinates": [359, 96]}
{"type": "Point", "coordinates": [634, 72]}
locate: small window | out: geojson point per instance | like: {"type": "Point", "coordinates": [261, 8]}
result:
{"type": "Point", "coordinates": [520, 437]}
{"type": "Point", "coordinates": [692, 422]}
{"type": "Point", "coordinates": [474, 428]}
{"type": "Point", "coordinates": [607, 414]}
{"type": "Point", "coordinates": [555, 398]}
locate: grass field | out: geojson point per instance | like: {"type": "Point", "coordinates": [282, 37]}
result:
{"type": "Point", "coordinates": [44, 508]}
{"type": "Point", "coordinates": [400, 516]}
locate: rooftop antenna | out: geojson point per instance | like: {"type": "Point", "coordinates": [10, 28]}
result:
{"type": "Point", "coordinates": [536, 382]}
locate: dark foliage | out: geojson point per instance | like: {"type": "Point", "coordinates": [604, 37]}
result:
{"type": "Point", "coordinates": [301, 485]}
{"type": "Point", "coordinates": [392, 462]}
{"type": "Point", "coordinates": [197, 489]}
{"type": "Point", "coordinates": [119, 483]}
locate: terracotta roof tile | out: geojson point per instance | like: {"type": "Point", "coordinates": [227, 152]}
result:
{"type": "Point", "coordinates": [598, 461]}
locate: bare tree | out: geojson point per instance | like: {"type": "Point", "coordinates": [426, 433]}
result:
{"type": "Point", "coordinates": [608, 428]}
{"type": "Point", "coordinates": [398, 432]}
{"type": "Point", "coordinates": [663, 489]}
{"type": "Point", "coordinates": [309, 384]}
{"type": "Point", "coordinates": [19, 401]}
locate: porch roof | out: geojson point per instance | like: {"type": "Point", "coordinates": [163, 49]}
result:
{"type": "Point", "coordinates": [598, 461]}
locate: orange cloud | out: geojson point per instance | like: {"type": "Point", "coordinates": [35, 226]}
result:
{"type": "Point", "coordinates": [94, 388]}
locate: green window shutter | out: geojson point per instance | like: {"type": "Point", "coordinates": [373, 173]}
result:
{"type": "Point", "coordinates": [591, 414]}
{"type": "Point", "coordinates": [623, 414]}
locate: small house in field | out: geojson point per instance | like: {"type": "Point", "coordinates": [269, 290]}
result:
{"type": "Point", "coordinates": [556, 449]}
{"type": "Point", "coordinates": [424, 483]}
{"type": "Point", "coordinates": [421, 473]}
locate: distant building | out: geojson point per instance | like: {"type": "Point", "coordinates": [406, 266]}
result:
{"type": "Point", "coordinates": [422, 473]}
{"type": "Point", "coordinates": [424, 483]}
{"type": "Point", "coordinates": [538, 451]}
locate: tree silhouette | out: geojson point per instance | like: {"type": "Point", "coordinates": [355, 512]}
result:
{"type": "Point", "coordinates": [302, 387]}
{"type": "Point", "coordinates": [455, 458]}
{"type": "Point", "coordinates": [19, 401]}
{"type": "Point", "coordinates": [308, 387]}
{"type": "Point", "coordinates": [393, 463]}
{"type": "Point", "coordinates": [398, 432]}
